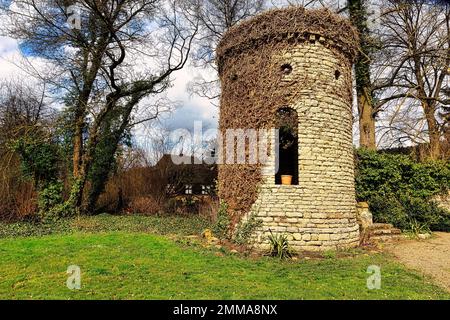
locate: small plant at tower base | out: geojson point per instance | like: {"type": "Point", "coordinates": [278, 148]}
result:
{"type": "Point", "coordinates": [416, 228]}
{"type": "Point", "coordinates": [222, 226]}
{"type": "Point", "coordinates": [245, 229]}
{"type": "Point", "coordinates": [279, 246]}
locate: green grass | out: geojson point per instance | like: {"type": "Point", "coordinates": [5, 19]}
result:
{"type": "Point", "coordinates": [135, 265]}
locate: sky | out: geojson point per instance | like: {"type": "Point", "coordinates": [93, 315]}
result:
{"type": "Point", "coordinates": [189, 108]}
{"type": "Point", "coordinates": [193, 108]}
{"type": "Point", "coordinates": [8, 50]}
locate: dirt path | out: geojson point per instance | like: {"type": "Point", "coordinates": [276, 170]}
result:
{"type": "Point", "coordinates": [432, 256]}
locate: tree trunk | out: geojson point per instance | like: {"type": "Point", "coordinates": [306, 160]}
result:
{"type": "Point", "coordinates": [99, 178]}
{"type": "Point", "coordinates": [433, 131]}
{"type": "Point", "coordinates": [80, 163]}
{"type": "Point", "coordinates": [366, 122]}
{"type": "Point", "coordinates": [77, 150]}
{"type": "Point", "coordinates": [358, 17]}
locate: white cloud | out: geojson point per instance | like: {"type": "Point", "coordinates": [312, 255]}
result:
{"type": "Point", "coordinates": [9, 50]}
{"type": "Point", "coordinates": [13, 65]}
{"type": "Point", "coordinates": [192, 107]}
{"type": "Point", "coordinates": [7, 45]}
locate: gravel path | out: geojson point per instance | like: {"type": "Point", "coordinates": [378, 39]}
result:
{"type": "Point", "coordinates": [431, 257]}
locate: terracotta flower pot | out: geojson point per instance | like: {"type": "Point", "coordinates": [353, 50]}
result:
{"type": "Point", "coordinates": [286, 180]}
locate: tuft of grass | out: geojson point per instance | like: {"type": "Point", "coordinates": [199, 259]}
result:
{"type": "Point", "coordinates": [330, 254]}
{"type": "Point", "coordinates": [130, 265]}
{"type": "Point", "coordinates": [416, 228]}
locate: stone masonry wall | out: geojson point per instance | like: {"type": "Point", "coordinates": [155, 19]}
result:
{"type": "Point", "coordinates": [443, 201]}
{"type": "Point", "coordinates": [320, 212]}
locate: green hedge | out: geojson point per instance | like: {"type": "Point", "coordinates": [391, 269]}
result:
{"type": "Point", "coordinates": [399, 189]}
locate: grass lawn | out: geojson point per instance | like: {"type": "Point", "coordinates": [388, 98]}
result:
{"type": "Point", "coordinates": [129, 264]}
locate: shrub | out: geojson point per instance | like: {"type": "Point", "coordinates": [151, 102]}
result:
{"type": "Point", "coordinates": [144, 205]}
{"type": "Point", "coordinates": [39, 162]}
{"type": "Point", "coordinates": [382, 173]}
{"type": "Point", "coordinates": [208, 208]}
{"type": "Point", "coordinates": [398, 189]}
{"type": "Point", "coordinates": [426, 213]}
{"type": "Point", "coordinates": [49, 198]}
{"type": "Point", "coordinates": [388, 209]}
{"type": "Point", "coordinates": [221, 227]}
{"type": "Point", "coordinates": [404, 212]}
{"type": "Point", "coordinates": [245, 229]}
{"type": "Point", "coordinates": [39, 158]}
{"type": "Point", "coordinates": [188, 205]}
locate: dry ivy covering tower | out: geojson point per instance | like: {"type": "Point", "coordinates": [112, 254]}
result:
{"type": "Point", "coordinates": [282, 65]}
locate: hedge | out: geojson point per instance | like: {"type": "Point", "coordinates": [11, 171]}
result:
{"type": "Point", "coordinates": [399, 190]}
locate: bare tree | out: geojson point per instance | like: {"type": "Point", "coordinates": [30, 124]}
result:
{"type": "Point", "coordinates": [416, 38]}
{"type": "Point", "coordinates": [21, 107]}
{"type": "Point", "coordinates": [445, 114]}
{"type": "Point", "coordinates": [215, 18]}
{"type": "Point", "coordinates": [104, 60]}
{"type": "Point", "coordinates": [23, 112]}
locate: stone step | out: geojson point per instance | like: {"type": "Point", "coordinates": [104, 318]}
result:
{"type": "Point", "coordinates": [377, 226]}
{"type": "Point", "coordinates": [385, 238]}
{"type": "Point", "coordinates": [380, 232]}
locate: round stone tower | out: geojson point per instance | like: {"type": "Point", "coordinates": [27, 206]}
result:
{"type": "Point", "coordinates": [292, 62]}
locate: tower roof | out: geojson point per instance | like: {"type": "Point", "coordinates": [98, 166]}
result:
{"type": "Point", "coordinates": [290, 23]}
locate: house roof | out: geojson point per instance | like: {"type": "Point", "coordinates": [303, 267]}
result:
{"type": "Point", "coordinates": [189, 168]}
{"type": "Point", "coordinates": [177, 160]}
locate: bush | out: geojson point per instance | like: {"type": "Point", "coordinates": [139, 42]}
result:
{"type": "Point", "coordinates": [245, 229]}
{"type": "Point", "coordinates": [50, 197]}
{"type": "Point", "coordinates": [144, 205]}
{"type": "Point", "coordinates": [221, 228]}
{"type": "Point", "coordinates": [208, 208]}
{"type": "Point", "coordinates": [404, 212]}
{"type": "Point", "coordinates": [399, 190]}
{"type": "Point", "coordinates": [381, 173]}
{"type": "Point", "coordinates": [188, 205]}
{"type": "Point", "coordinates": [39, 158]}
{"type": "Point", "coordinates": [388, 209]}
{"type": "Point", "coordinates": [427, 214]}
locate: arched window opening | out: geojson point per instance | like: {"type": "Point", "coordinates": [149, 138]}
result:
{"type": "Point", "coordinates": [287, 123]}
